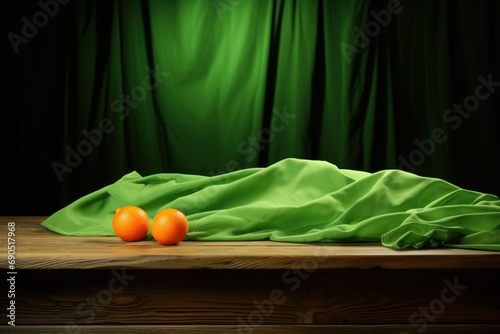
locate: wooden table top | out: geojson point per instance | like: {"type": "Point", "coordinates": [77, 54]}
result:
{"type": "Point", "coordinates": [40, 248]}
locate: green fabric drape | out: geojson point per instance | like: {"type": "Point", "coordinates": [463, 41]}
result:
{"type": "Point", "coordinates": [236, 73]}
{"type": "Point", "coordinates": [300, 201]}
{"type": "Point", "coordinates": [208, 87]}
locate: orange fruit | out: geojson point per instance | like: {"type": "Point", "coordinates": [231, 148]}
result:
{"type": "Point", "coordinates": [169, 226]}
{"type": "Point", "coordinates": [131, 223]}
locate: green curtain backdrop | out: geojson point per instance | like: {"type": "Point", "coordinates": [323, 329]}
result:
{"type": "Point", "coordinates": [207, 87]}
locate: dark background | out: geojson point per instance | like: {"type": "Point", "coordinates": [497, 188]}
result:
{"type": "Point", "coordinates": [427, 59]}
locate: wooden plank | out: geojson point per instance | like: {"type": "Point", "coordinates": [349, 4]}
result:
{"type": "Point", "coordinates": [298, 329]}
{"type": "Point", "coordinates": [299, 288]}
{"type": "Point", "coordinates": [39, 248]}
{"type": "Point", "coordinates": [257, 297]}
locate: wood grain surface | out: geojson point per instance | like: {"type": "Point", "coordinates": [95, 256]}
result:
{"type": "Point", "coordinates": [294, 329]}
{"type": "Point", "coordinates": [39, 248]}
{"type": "Point", "coordinates": [263, 297]}
{"type": "Point", "coordinates": [104, 285]}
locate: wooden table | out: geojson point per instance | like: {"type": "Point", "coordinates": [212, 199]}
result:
{"type": "Point", "coordinates": [104, 285]}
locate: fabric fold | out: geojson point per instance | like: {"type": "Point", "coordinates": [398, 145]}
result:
{"type": "Point", "coordinates": [298, 200]}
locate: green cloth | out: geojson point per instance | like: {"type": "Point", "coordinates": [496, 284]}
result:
{"type": "Point", "coordinates": [300, 201]}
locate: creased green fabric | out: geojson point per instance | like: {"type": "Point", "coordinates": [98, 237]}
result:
{"type": "Point", "coordinates": [300, 201]}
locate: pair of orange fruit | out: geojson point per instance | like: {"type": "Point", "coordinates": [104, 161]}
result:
{"type": "Point", "coordinates": [169, 226]}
